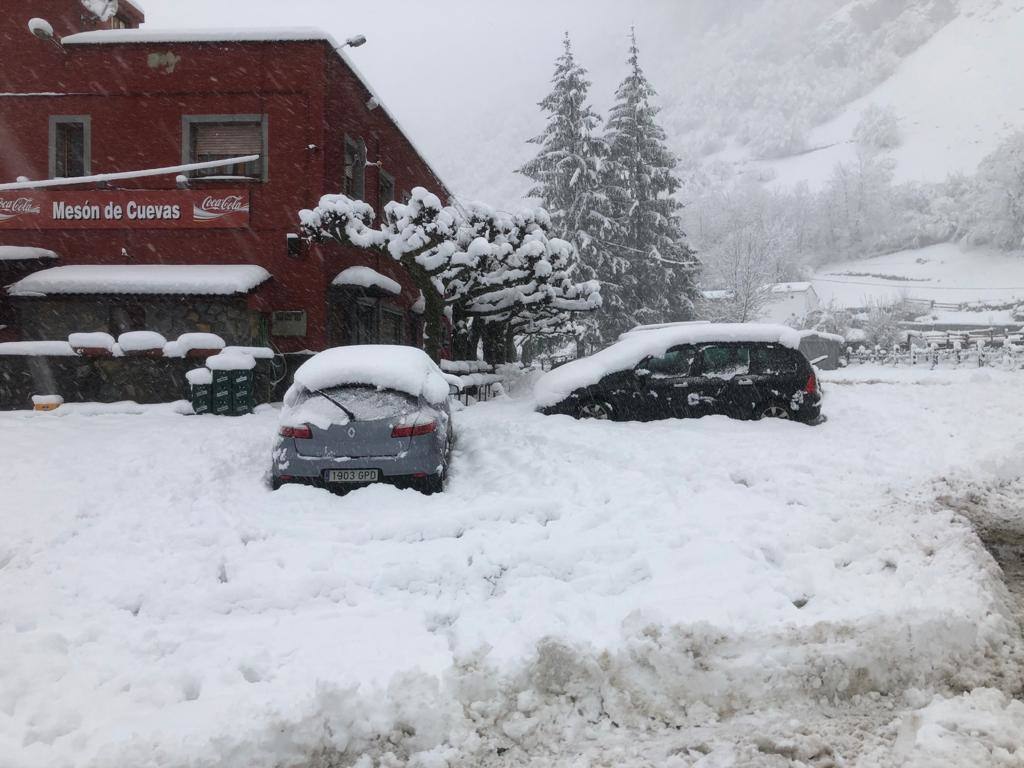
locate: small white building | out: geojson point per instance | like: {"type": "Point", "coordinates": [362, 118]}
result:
{"type": "Point", "coordinates": [790, 302]}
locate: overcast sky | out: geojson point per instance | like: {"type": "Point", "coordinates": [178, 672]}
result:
{"type": "Point", "coordinates": [464, 76]}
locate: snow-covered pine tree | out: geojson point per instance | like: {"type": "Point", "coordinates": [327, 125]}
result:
{"type": "Point", "coordinates": [565, 170]}
{"type": "Point", "coordinates": [649, 277]}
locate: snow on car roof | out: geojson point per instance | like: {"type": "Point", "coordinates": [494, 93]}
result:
{"type": "Point", "coordinates": [385, 366]}
{"type": "Point", "coordinates": [190, 279]}
{"type": "Point", "coordinates": [626, 353]}
{"type": "Point", "coordinates": [367, 278]}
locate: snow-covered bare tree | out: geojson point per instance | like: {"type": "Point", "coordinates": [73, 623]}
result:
{"type": "Point", "coordinates": [648, 277]}
{"type": "Point", "coordinates": [480, 264]}
{"type": "Point", "coordinates": [995, 200]}
{"type": "Point", "coordinates": [741, 266]}
{"type": "Point", "coordinates": [856, 211]}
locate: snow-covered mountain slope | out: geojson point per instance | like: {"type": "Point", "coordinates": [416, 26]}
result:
{"type": "Point", "coordinates": [955, 97]}
{"type": "Point", "coordinates": [769, 78]}
{"type": "Point", "coordinates": [946, 273]}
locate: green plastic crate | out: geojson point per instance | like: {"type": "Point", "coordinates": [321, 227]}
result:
{"type": "Point", "coordinates": [200, 395]}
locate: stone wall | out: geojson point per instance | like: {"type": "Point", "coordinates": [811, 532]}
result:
{"type": "Point", "coordinates": [105, 380]}
{"type": "Point", "coordinates": [55, 317]}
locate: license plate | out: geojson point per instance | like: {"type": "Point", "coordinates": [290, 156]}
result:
{"type": "Point", "coordinates": [352, 475]}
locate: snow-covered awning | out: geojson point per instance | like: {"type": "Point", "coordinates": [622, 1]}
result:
{"type": "Point", "coordinates": [364, 277]}
{"type": "Point", "coordinates": [24, 253]}
{"type": "Point", "coordinates": [153, 279]}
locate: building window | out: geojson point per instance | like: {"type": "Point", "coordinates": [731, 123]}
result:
{"type": "Point", "coordinates": [208, 138]}
{"type": "Point", "coordinates": [392, 327]}
{"type": "Point", "coordinates": [70, 146]}
{"type": "Point", "coordinates": [385, 189]}
{"type": "Point", "coordinates": [118, 22]}
{"type": "Point", "coordinates": [354, 185]}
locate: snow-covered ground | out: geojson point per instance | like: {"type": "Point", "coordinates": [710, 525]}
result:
{"type": "Point", "coordinates": [680, 593]}
{"type": "Point", "coordinates": [947, 273]}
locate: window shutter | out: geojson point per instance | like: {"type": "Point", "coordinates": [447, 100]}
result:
{"type": "Point", "coordinates": [228, 139]}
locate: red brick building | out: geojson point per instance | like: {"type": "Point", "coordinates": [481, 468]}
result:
{"type": "Point", "coordinates": [106, 97]}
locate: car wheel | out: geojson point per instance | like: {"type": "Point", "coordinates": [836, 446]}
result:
{"type": "Point", "coordinates": [775, 411]}
{"type": "Point", "coordinates": [432, 484]}
{"type": "Point", "coordinates": [595, 410]}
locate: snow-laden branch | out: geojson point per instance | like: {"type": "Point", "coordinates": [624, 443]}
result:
{"type": "Point", "coordinates": [480, 262]}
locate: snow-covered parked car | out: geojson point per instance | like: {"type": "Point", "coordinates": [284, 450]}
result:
{"type": "Point", "coordinates": [746, 371]}
{"type": "Point", "coordinates": [365, 414]}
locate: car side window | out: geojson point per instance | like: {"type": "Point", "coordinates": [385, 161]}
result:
{"type": "Point", "coordinates": [675, 363]}
{"type": "Point", "coordinates": [722, 362]}
{"type": "Point", "coordinates": [773, 359]}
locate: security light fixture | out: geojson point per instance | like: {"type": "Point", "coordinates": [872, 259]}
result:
{"type": "Point", "coordinates": [354, 42]}
{"type": "Point", "coordinates": [42, 29]}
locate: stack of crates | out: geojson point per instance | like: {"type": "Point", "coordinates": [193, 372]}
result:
{"type": "Point", "coordinates": [200, 384]}
{"type": "Point", "coordinates": [241, 391]}
{"type": "Point", "coordinates": [220, 395]}
{"type": "Point", "coordinates": [225, 387]}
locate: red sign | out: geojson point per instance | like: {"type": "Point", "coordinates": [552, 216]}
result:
{"type": "Point", "coordinates": [124, 209]}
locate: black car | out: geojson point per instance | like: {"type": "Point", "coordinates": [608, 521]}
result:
{"type": "Point", "coordinates": [645, 377]}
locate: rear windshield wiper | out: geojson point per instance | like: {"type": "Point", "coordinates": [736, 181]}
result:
{"type": "Point", "coordinates": [351, 416]}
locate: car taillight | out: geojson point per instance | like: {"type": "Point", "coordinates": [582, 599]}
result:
{"type": "Point", "coordinates": [299, 433]}
{"type": "Point", "coordinates": [812, 385]}
{"type": "Point", "coordinates": [412, 430]}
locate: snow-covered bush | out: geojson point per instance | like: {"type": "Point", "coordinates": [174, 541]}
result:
{"type": "Point", "coordinates": [882, 326]}
{"type": "Point", "coordinates": [878, 128]}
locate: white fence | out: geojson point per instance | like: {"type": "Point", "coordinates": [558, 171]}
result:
{"type": "Point", "coordinates": [948, 349]}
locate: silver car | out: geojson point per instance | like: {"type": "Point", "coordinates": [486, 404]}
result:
{"type": "Point", "coordinates": [352, 435]}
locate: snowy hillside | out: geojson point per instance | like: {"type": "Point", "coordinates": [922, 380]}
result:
{"type": "Point", "coordinates": [955, 98]}
{"type": "Point", "coordinates": [945, 273]}
{"type": "Point", "coordinates": [763, 78]}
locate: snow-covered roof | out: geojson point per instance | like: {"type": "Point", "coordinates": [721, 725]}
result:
{"type": "Point", "coordinates": [200, 35]}
{"type": "Point", "coordinates": [822, 335]}
{"type": "Point", "coordinates": [365, 277]}
{"type": "Point", "coordinates": [791, 287]}
{"type": "Point", "coordinates": [555, 386]}
{"type": "Point", "coordinates": [174, 279]}
{"type": "Point", "coordinates": [385, 366]}
{"type": "Point", "coordinates": [240, 35]}
{"type": "Point", "coordinates": [24, 253]}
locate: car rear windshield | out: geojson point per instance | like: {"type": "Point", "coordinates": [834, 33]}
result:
{"type": "Point", "coordinates": [774, 359]}
{"type": "Point", "coordinates": [369, 403]}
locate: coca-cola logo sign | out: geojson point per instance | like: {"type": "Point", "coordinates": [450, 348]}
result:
{"type": "Point", "coordinates": [12, 207]}
{"type": "Point", "coordinates": [217, 207]}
